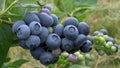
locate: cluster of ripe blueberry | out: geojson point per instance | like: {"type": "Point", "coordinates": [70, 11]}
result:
{"type": "Point", "coordinates": [47, 39]}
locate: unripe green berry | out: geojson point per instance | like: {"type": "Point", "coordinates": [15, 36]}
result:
{"type": "Point", "coordinates": [87, 56]}
{"type": "Point", "coordinates": [113, 48]}
{"type": "Point", "coordinates": [77, 53]}
{"type": "Point", "coordinates": [80, 57]}
{"type": "Point", "coordinates": [65, 54]}
{"type": "Point", "coordinates": [110, 43]}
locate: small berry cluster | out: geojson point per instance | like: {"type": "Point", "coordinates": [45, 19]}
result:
{"type": "Point", "coordinates": [79, 57]}
{"type": "Point", "coordinates": [104, 43]}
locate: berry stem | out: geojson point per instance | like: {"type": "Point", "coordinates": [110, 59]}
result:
{"type": "Point", "coordinates": [5, 21]}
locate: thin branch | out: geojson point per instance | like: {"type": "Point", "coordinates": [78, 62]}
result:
{"type": "Point", "coordinates": [13, 3]}
{"type": "Point", "coordinates": [4, 21]}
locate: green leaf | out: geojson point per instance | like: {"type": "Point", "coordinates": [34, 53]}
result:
{"type": "Point", "coordinates": [18, 63]}
{"type": "Point", "coordinates": [82, 13]}
{"type": "Point", "coordinates": [85, 3]}
{"type": "Point", "coordinates": [59, 5]}
{"type": "Point", "coordinates": [65, 5]}
{"type": "Point", "coordinates": [22, 7]}
{"type": "Point", "coordinates": [15, 64]}
{"type": "Point", "coordinates": [6, 41]}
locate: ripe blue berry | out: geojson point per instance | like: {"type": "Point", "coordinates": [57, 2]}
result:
{"type": "Point", "coordinates": [55, 19]}
{"type": "Point", "coordinates": [104, 31]}
{"type": "Point", "coordinates": [46, 58]}
{"type": "Point", "coordinates": [46, 20]}
{"type": "Point", "coordinates": [30, 17]}
{"type": "Point", "coordinates": [71, 32]}
{"type": "Point", "coordinates": [96, 33]}
{"type": "Point", "coordinates": [23, 44]}
{"type": "Point", "coordinates": [67, 44]}
{"type": "Point", "coordinates": [88, 37]}
{"type": "Point", "coordinates": [44, 34]}
{"type": "Point", "coordinates": [54, 60]}
{"type": "Point", "coordinates": [16, 25]}
{"type": "Point", "coordinates": [83, 28]}
{"type": "Point", "coordinates": [23, 32]}
{"type": "Point", "coordinates": [111, 40]}
{"type": "Point", "coordinates": [33, 41]}
{"type": "Point", "coordinates": [35, 27]}
{"type": "Point", "coordinates": [36, 52]}
{"type": "Point", "coordinates": [53, 41]}
{"type": "Point", "coordinates": [79, 41]}
{"type": "Point", "coordinates": [59, 29]}
{"type": "Point", "coordinates": [71, 21]}
{"type": "Point", "coordinates": [86, 47]}
{"type": "Point", "coordinates": [48, 6]}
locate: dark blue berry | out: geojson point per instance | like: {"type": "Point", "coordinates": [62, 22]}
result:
{"type": "Point", "coordinates": [71, 32]}
{"type": "Point", "coordinates": [83, 28]}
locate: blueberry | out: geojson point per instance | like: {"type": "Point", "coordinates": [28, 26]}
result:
{"type": "Point", "coordinates": [44, 34]}
{"type": "Point", "coordinates": [59, 29]}
{"type": "Point", "coordinates": [56, 52]}
{"type": "Point", "coordinates": [36, 52]}
{"type": "Point", "coordinates": [30, 17]}
{"type": "Point", "coordinates": [116, 47]}
{"type": "Point", "coordinates": [54, 60]}
{"type": "Point", "coordinates": [104, 31]}
{"type": "Point", "coordinates": [48, 6]}
{"type": "Point", "coordinates": [55, 19]}
{"type": "Point", "coordinates": [73, 58]}
{"type": "Point", "coordinates": [23, 32]}
{"type": "Point", "coordinates": [111, 40]}
{"type": "Point", "coordinates": [33, 41]}
{"type": "Point", "coordinates": [71, 32]}
{"type": "Point", "coordinates": [23, 44]}
{"type": "Point", "coordinates": [35, 27]}
{"type": "Point", "coordinates": [88, 37]}
{"type": "Point", "coordinates": [67, 44]}
{"type": "Point", "coordinates": [96, 33]}
{"type": "Point", "coordinates": [46, 58]}
{"type": "Point", "coordinates": [86, 47]}
{"type": "Point", "coordinates": [79, 41]}
{"type": "Point", "coordinates": [53, 41]}
{"type": "Point", "coordinates": [16, 25]}
{"type": "Point", "coordinates": [83, 28]}
{"type": "Point", "coordinates": [46, 20]}
{"type": "Point", "coordinates": [71, 21]}
{"type": "Point", "coordinates": [45, 10]}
